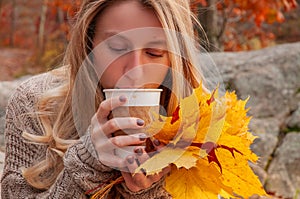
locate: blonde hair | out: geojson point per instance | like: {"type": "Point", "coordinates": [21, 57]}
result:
{"type": "Point", "coordinates": [56, 110]}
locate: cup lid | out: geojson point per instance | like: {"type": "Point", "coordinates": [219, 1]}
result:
{"type": "Point", "coordinates": [136, 97]}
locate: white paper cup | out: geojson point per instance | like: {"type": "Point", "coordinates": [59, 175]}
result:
{"type": "Point", "coordinates": [136, 97]}
{"type": "Point", "coordinates": [141, 103]}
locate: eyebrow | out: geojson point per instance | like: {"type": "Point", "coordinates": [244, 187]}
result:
{"type": "Point", "coordinates": [158, 42]}
{"type": "Point", "coordinates": [115, 34]}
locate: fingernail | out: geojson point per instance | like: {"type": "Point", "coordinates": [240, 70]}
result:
{"type": "Point", "coordinates": [156, 142]}
{"type": "Point", "coordinates": [142, 137]}
{"type": "Point", "coordinates": [122, 98]}
{"type": "Point", "coordinates": [143, 171]}
{"type": "Point", "coordinates": [130, 159]}
{"type": "Point", "coordinates": [140, 122]}
{"type": "Point", "coordinates": [139, 151]}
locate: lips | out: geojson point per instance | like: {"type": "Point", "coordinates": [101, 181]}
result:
{"type": "Point", "coordinates": [147, 86]}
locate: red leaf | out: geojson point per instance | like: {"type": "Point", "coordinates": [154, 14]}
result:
{"type": "Point", "coordinates": [231, 149]}
{"type": "Point", "coordinates": [175, 115]}
{"type": "Point", "coordinates": [210, 148]}
{"type": "Point", "coordinates": [211, 99]}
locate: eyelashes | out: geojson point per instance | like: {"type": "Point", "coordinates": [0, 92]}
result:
{"type": "Point", "coordinates": [154, 52]}
{"type": "Point", "coordinates": [120, 49]}
{"type": "Point", "coordinates": [117, 46]}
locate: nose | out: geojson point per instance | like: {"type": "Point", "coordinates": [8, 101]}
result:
{"type": "Point", "coordinates": [134, 68]}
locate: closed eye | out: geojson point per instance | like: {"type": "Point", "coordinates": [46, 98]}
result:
{"type": "Point", "coordinates": [117, 49]}
{"type": "Point", "coordinates": [155, 52]}
{"type": "Point", "coordinates": [117, 45]}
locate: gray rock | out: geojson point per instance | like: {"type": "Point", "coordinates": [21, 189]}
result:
{"type": "Point", "coordinates": [271, 77]}
{"type": "Point", "coordinates": [6, 90]}
{"type": "Point", "coordinates": [267, 131]}
{"type": "Point", "coordinates": [265, 125]}
{"type": "Point", "coordinates": [284, 171]}
{"type": "Point", "coordinates": [264, 147]}
{"type": "Point", "coordinates": [259, 171]}
{"type": "Point", "coordinates": [294, 120]}
{"type": "Point", "coordinates": [2, 127]}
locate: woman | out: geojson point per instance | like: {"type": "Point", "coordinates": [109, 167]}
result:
{"type": "Point", "coordinates": [59, 142]}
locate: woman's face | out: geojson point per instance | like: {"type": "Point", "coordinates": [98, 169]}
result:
{"type": "Point", "coordinates": [130, 49]}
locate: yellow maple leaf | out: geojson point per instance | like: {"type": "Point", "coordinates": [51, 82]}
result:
{"type": "Point", "coordinates": [237, 174]}
{"type": "Point", "coordinates": [208, 144]}
{"type": "Point", "coordinates": [173, 129]}
{"type": "Point", "coordinates": [236, 114]}
{"type": "Point", "coordinates": [202, 181]}
{"type": "Point", "coordinates": [170, 155]}
{"type": "Point", "coordinates": [163, 129]}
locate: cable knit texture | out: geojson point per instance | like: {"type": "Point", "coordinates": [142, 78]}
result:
{"type": "Point", "coordinates": [82, 171]}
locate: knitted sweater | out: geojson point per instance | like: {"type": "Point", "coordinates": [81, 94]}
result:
{"type": "Point", "coordinates": [82, 171]}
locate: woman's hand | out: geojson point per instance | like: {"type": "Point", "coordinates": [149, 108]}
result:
{"type": "Point", "coordinates": [138, 181]}
{"type": "Point", "coordinates": [102, 133]}
{"type": "Point", "coordinates": [106, 144]}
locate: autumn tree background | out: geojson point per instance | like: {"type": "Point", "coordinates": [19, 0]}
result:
{"type": "Point", "coordinates": [235, 25]}
{"type": "Point", "coordinates": [42, 26]}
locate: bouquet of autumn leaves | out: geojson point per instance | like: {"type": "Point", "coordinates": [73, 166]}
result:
{"type": "Point", "coordinates": [207, 144]}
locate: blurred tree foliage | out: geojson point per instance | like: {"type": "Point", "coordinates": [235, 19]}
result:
{"type": "Point", "coordinates": [42, 26]}
{"type": "Point", "coordinates": [234, 25]}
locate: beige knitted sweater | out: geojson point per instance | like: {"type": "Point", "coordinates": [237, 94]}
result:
{"type": "Point", "coordinates": [82, 172]}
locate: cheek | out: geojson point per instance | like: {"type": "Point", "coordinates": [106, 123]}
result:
{"type": "Point", "coordinates": [159, 72]}
{"type": "Point", "coordinates": [102, 60]}
{"type": "Point", "coordinates": [107, 68]}
{"type": "Point", "coordinates": [107, 79]}
{"type": "Point", "coordinates": [162, 70]}
{"type": "Point", "coordinates": [111, 75]}
{"type": "Point", "coordinates": [156, 73]}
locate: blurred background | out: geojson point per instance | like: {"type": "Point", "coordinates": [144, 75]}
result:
{"type": "Point", "coordinates": [254, 43]}
{"type": "Point", "coordinates": [34, 34]}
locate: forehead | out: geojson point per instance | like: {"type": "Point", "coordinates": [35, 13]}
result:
{"type": "Point", "coordinates": [124, 16]}
{"type": "Point", "coordinates": [127, 15]}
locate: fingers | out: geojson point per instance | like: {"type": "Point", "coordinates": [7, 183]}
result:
{"type": "Point", "coordinates": [108, 145]}
{"type": "Point", "coordinates": [139, 181]}
{"type": "Point", "coordinates": [121, 141]}
{"type": "Point", "coordinates": [132, 183]}
{"type": "Point", "coordinates": [111, 150]}
{"type": "Point", "coordinates": [111, 160]}
{"type": "Point", "coordinates": [132, 163]}
{"type": "Point", "coordinates": [136, 181]}
{"type": "Point", "coordinates": [126, 124]}
{"type": "Point", "coordinates": [158, 176]}
{"type": "Point", "coordinates": [107, 105]}
{"type": "Point", "coordinates": [157, 145]}
{"type": "Point", "coordinates": [141, 154]}
{"type": "Point", "coordinates": [123, 123]}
